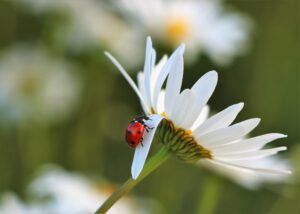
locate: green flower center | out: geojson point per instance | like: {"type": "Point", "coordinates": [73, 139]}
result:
{"type": "Point", "coordinates": [180, 142]}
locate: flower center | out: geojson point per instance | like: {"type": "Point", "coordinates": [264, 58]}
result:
{"type": "Point", "coordinates": [29, 84]}
{"type": "Point", "coordinates": [177, 29]}
{"type": "Point", "coordinates": [180, 142]}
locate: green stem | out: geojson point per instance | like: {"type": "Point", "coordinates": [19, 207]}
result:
{"type": "Point", "coordinates": [150, 166]}
{"type": "Point", "coordinates": [210, 196]}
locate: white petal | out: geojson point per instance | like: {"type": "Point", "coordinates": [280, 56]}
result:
{"type": "Point", "coordinates": [204, 88]}
{"type": "Point", "coordinates": [164, 72]}
{"type": "Point", "coordinates": [220, 120]}
{"type": "Point", "coordinates": [257, 169]}
{"type": "Point", "coordinates": [159, 67]}
{"type": "Point", "coordinates": [153, 58]}
{"type": "Point", "coordinates": [156, 71]}
{"type": "Point", "coordinates": [247, 145]}
{"type": "Point", "coordinates": [174, 83]}
{"type": "Point", "coordinates": [129, 80]}
{"type": "Point", "coordinates": [250, 155]}
{"type": "Point", "coordinates": [161, 102]}
{"type": "Point", "coordinates": [140, 82]}
{"type": "Point", "coordinates": [228, 134]}
{"type": "Point", "coordinates": [154, 76]}
{"type": "Point", "coordinates": [201, 118]}
{"type": "Point", "coordinates": [191, 113]}
{"type": "Point", "coordinates": [244, 177]}
{"type": "Point", "coordinates": [141, 85]}
{"type": "Point", "coordinates": [147, 71]}
{"type": "Point", "coordinates": [272, 162]}
{"type": "Point", "coordinates": [141, 152]}
{"type": "Point", "coordinates": [181, 107]}
{"type": "Point", "coordinates": [249, 177]}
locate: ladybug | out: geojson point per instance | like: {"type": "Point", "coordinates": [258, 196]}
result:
{"type": "Point", "coordinates": [135, 131]}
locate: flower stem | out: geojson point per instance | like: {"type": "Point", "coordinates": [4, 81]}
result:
{"type": "Point", "coordinates": [150, 166]}
{"type": "Point", "coordinates": [210, 196]}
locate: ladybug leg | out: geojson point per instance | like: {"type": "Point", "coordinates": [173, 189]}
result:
{"type": "Point", "coordinates": [147, 128]}
{"type": "Point", "coordinates": [142, 141]}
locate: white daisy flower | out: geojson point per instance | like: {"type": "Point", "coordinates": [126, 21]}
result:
{"type": "Point", "coordinates": [205, 26]}
{"type": "Point", "coordinates": [36, 86]}
{"type": "Point", "coordinates": [91, 24]}
{"type": "Point", "coordinates": [11, 203]}
{"type": "Point", "coordinates": [58, 191]}
{"type": "Point", "coordinates": [183, 125]}
{"type": "Point", "coordinates": [74, 193]}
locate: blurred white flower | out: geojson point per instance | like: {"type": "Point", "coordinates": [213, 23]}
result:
{"type": "Point", "coordinates": [193, 137]}
{"type": "Point", "coordinates": [204, 26]}
{"type": "Point", "coordinates": [34, 85]}
{"type": "Point", "coordinates": [74, 193]}
{"type": "Point", "coordinates": [90, 24]}
{"type": "Point", "coordinates": [58, 191]}
{"type": "Point", "coordinates": [10, 203]}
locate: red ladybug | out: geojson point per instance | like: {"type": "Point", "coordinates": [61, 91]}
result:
{"type": "Point", "coordinates": [135, 131]}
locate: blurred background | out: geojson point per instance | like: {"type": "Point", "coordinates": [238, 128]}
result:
{"type": "Point", "coordinates": [64, 106]}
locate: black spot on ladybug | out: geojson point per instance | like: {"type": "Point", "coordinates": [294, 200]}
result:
{"type": "Point", "coordinates": [139, 132]}
{"type": "Point", "coordinates": [132, 143]}
{"type": "Point", "coordinates": [129, 132]}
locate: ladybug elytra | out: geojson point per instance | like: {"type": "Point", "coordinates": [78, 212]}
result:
{"type": "Point", "coordinates": [135, 131]}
